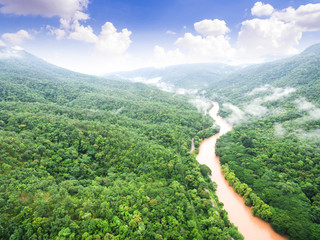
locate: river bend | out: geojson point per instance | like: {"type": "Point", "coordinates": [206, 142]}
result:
{"type": "Point", "coordinates": [252, 228]}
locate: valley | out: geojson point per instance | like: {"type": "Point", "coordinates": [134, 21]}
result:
{"type": "Point", "coordinates": [239, 214]}
{"type": "Point", "coordinates": [85, 157]}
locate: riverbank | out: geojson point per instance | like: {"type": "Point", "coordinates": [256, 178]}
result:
{"type": "Point", "coordinates": [252, 228]}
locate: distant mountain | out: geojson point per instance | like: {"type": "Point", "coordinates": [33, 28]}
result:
{"type": "Point", "coordinates": [301, 72]}
{"type": "Point", "coordinates": [179, 77]}
{"type": "Point", "coordinates": [30, 64]}
{"type": "Point", "coordinates": [25, 77]}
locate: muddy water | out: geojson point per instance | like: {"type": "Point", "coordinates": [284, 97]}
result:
{"type": "Point", "coordinates": [252, 228]}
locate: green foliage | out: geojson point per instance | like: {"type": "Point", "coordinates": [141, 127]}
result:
{"type": "Point", "coordinates": [301, 72]}
{"type": "Point", "coordinates": [88, 158]}
{"type": "Point", "coordinates": [281, 171]}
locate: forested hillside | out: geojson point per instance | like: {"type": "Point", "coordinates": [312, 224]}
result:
{"type": "Point", "coordinates": [187, 78]}
{"type": "Point", "coordinates": [89, 158]}
{"type": "Point", "coordinates": [301, 72]}
{"type": "Point", "coordinates": [275, 145]}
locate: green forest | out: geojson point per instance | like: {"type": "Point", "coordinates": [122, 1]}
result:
{"type": "Point", "coordinates": [276, 156]}
{"type": "Point", "coordinates": [88, 158]}
{"type": "Point", "coordinates": [84, 157]}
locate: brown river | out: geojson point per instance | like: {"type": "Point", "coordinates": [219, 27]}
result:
{"type": "Point", "coordinates": [252, 228]}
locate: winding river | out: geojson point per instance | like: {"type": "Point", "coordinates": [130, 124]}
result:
{"type": "Point", "coordinates": [252, 228]}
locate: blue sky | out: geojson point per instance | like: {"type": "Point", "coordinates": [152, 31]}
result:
{"type": "Point", "coordinates": [99, 36]}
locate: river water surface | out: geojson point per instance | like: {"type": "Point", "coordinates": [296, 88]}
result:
{"type": "Point", "coordinates": [252, 228]}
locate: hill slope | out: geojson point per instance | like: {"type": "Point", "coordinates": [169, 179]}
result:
{"type": "Point", "coordinates": [89, 158]}
{"type": "Point", "coordinates": [275, 145]}
{"type": "Point", "coordinates": [301, 72]}
{"type": "Point", "coordinates": [186, 78]}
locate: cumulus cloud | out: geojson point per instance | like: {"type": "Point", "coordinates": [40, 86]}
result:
{"type": "Point", "coordinates": [208, 48]}
{"type": "Point", "coordinates": [109, 40]}
{"type": "Point", "coordinates": [210, 27]}
{"type": "Point", "coordinates": [164, 58]}
{"type": "Point", "coordinates": [112, 41]}
{"type": "Point", "coordinates": [71, 27]}
{"type": "Point", "coordinates": [305, 17]}
{"type": "Point", "coordinates": [260, 9]}
{"type": "Point", "coordinates": [18, 37]}
{"type": "Point", "coordinates": [80, 33]}
{"type": "Point", "coordinates": [271, 33]}
{"type": "Point", "coordinates": [280, 33]}
{"type": "Point", "coordinates": [212, 44]}
{"type": "Point", "coordinates": [2, 44]}
{"type": "Point", "coordinates": [62, 8]}
{"type": "Point", "coordinates": [267, 37]}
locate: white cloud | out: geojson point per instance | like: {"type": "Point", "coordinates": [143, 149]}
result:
{"type": "Point", "coordinates": [17, 48]}
{"type": "Point", "coordinates": [305, 17]}
{"type": "Point", "coordinates": [72, 29]}
{"type": "Point", "coordinates": [154, 82]}
{"type": "Point", "coordinates": [211, 45]}
{"type": "Point", "coordinates": [312, 111]}
{"type": "Point", "coordinates": [267, 37]}
{"type": "Point", "coordinates": [279, 130]}
{"type": "Point", "coordinates": [62, 8]}
{"type": "Point", "coordinates": [169, 32]}
{"type": "Point", "coordinates": [208, 27]}
{"type": "Point", "coordinates": [255, 109]}
{"type": "Point", "coordinates": [260, 9]}
{"type": "Point", "coordinates": [312, 135]}
{"type": "Point", "coordinates": [278, 93]}
{"type": "Point", "coordinates": [304, 105]}
{"type": "Point", "coordinates": [308, 17]}
{"type": "Point", "coordinates": [164, 58]}
{"type": "Point", "coordinates": [111, 41]}
{"type": "Point", "coordinates": [71, 13]}
{"type": "Point", "coordinates": [208, 48]}
{"type": "Point", "coordinates": [60, 33]}
{"type": "Point", "coordinates": [2, 44]}
{"type": "Point", "coordinates": [262, 89]}
{"type": "Point", "coordinates": [80, 33]}
{"type": "Point", "coordinates": [18, 37]}
{"type": "Point", "coordinates": [108, 41]}
{"type": "Point", "coordinates": [202, 104]}
{"type": "Point", "coordinates": [236, 116]}
{"type": "Point", "coordinates": [279, 34]}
